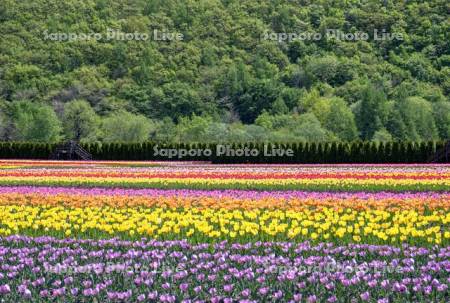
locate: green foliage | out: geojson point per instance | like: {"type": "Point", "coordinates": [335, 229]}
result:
{"type": "Point", "coordinates": [279, 107]}
{"type": "Point", "coordinates": [126, 127]}
{"type": "Point", "coordinates": [329, 69]}
{"type": "Point", "coordinates": [418, 116]}
{"type": "Point", "coordinates": [4, 121]}
{"type": "Point", "coordinates": [441, 112]}
{"type": "Point", "coordinates": [193, 129]}
{"type": "Point", "coordinates": [336, 116]}
{"type": "Point", "coordinates": [372, 112]}
{"type": "Point", "coordinates": [35, 123]}
{"type": "Point", "coordinates": [382, 135]}
{"type": "Point", "coordinates": [80, 121]}
{"type": "Point", "coordinates": [225, 69]}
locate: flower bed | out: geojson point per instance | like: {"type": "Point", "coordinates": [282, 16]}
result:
{"type": "Point", "coordinates": [135, 231]}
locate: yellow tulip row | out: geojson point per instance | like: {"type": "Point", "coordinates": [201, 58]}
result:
{"type": "Point", "coordinates": [326, 224]}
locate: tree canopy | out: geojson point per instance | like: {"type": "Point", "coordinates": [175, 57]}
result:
{"type": "Point", "coordinates": [223, 70]}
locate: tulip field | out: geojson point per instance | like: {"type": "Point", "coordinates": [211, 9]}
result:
{"type": "Point", "coordinates": [104, 231]}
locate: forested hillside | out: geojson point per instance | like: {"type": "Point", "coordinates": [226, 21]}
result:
{"type": "Point", "coordinates": [213, 70]}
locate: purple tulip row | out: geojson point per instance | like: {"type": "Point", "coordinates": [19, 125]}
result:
{"type": "Point", "coordinates": [236, 194]}
{"type": "Point", "coordinates": [72, 270]}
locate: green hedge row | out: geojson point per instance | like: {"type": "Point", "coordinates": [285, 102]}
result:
{"type": "Point", "coordinates": [355, 152]}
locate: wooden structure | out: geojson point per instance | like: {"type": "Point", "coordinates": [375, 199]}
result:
{"type": "Point", "coordinates": [70, 151]}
